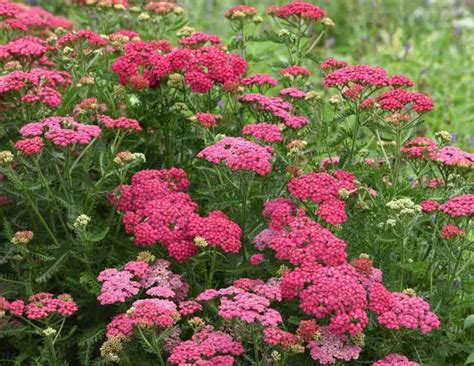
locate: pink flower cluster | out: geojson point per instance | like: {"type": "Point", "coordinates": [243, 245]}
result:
{"type": "Point", "coordinates": [394, 359]}
{"type": "Point", "coordinates": [24, 49]}
{"type": "Point", "coordinates": [148, 312]}
{"type": "Point", "coordinates": [156, 210]}
{"type": "Point", "coordinates": [155, 279]}
{"type": "Point", "coordinates": [249, 305]}
{"type": "Point", "coordinates": [420, 147]}
{"type": "Point", "coordinates": [89, 105]}
{"type": "Point", "coordinates": [397, 310]}
{"type": "Point", "coordinates": [37, 85]}
{"type": "Point", "coordinates": [264, 131]}
{"type": "Point", "coordinates": [295, 71]}
{"type": "Point", "coordinates": [455, 157]}
{"type": "Point", "coordinates": [260, 80]}
{"type": "Point", "coordinates": [329, 288]}
{"type": "Point", "coordinates": [144, 64]}
{"type": "Point", "coordinates": [61, 131]}
{"type": "Point", "coordinates": [276, 108]}
{"type": "Point", "coordinates": [356, 78]}
{"type": "Point", "coordinates": [298, 9]}
{"type": "Point", "coordinates": [20, 17]}
{"type": "Point", "coordinates": [238, 153]}
{"type": "Point", "coordinates": [459, 206]}
{"type": "Point", "coordinates": [40, 306]}
{"type": "Point", "coordinates": [425, 148]}
{"type": "Point", "coordinates": [331, 347]}
{"type": "Point", "coordinates": [206, 347]}
{"type": "Point", "coordinates": [429, 205]}
{"type": "Point", "coordinates": [161, 7]}
{"type": "Point", "coordinates": [294, 93]}
{"type": "Point", "coordinates": [245, 9]}
{"type": "Point", "coordinates": [121, 123]}
{"type": "Point", "coordinates": [323, 189]}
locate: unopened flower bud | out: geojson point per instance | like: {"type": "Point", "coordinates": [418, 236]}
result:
{"type": "Point", "coordinates": [200, 242]}
{"type": "Point", "coordinates": [143, 16]}
{"type": "Point", "coordinates": [22, 237]}
{"type": "Point", "coordinates": [6, 157]}
{"type": "Point", "coordinates": [328, 22]}
{"type": "Point", "coordinates": [81, 222]}
{"type": "Point", "coordinates": [444, 137]}
{"type": "Point", "coordinates": [49, 332]}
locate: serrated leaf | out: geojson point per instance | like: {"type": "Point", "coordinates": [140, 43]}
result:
{"type": "Point", "coordinates": [53, 269]}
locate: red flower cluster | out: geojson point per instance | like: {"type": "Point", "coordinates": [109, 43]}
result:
{"type": "Point", "coordinates": [199, 39]}
{"type": "Point", "coordinates": [240, 154]}
{"type": "Point", "coordinates": [398, 99]}
{"type": "Point", "coordinates": [40, 306]}
{"type": "Point", "coordinates": [122, 123]}
{"type": "Point", "coordinates": [206, 120]}
{"type": "Point", "coordinates": [449, 231]}
{"type": "Point", "coordinates": [323, 189]}
{"type": "Point", "coordinates": [298, 9]}
{"type": "Point", "coordinates": [145, 64]}
{"type": "Point", "coordinates": [359, 74]}
{"type": "Point", "coordinates": [332, 64]}
{"type": "Point", "coordinates": [38, 85]}
{"type": "Point", "coordinates": [156, 210]}
{"type": "Point", "coordinates": [83, 36]}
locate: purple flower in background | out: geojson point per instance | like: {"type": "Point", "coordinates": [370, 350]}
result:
{"type": "Point", "coordinates": [407, 46]}
{"type": "Point", "coordinates": [424, 71]}
{"type": "Point", "coordinates": [239, 37]}
{"type": "Point", "coordinates": [471, 140]}
{"type": "Point", "coordinates": [220, 103]}
{"type": "Point", "coordinates": [454, 137]}
{"type": "Point", "coordinates": [331, 42]}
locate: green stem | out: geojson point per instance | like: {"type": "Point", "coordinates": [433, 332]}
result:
{"type": "Point", "coordinates": [51, 196]}
{"type": "Point", "coordinates": [212, 269]}
{"type": "Point", "coordinates": [33, 206]}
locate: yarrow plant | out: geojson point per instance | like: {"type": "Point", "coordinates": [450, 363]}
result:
{"type": "Point", "coordinates": [173, 196]}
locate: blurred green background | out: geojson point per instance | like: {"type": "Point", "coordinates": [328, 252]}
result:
{"type": "Point", "coordinates": [432, 41]}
